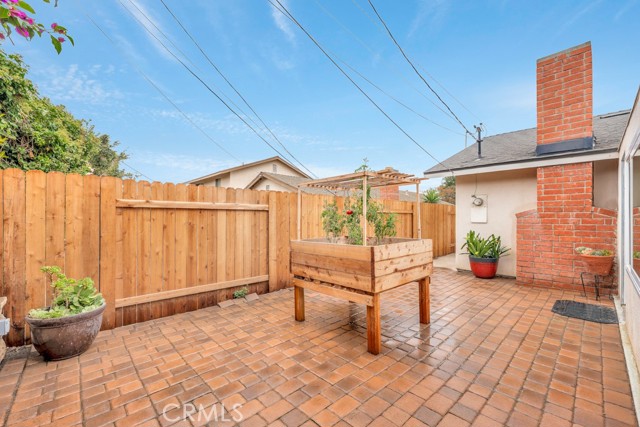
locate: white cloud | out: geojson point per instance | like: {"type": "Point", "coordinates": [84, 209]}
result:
{"type": "Point", "coordinates": [282, 22]}
{"type": "Point", "coordinates": [195, 164]}
{"type": "Point", "coordinates": [74, 84]}
{"type": "Point", "coordinates": [433, 12]}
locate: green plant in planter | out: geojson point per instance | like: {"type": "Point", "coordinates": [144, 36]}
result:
{"type": "Point", "coordinates": [583, 250]}
{"type": "Point", "coordinates": [70, 296]}
{"type": "Point", "coordinates": [432, 195]}
{"type": "Point", "coordinates": [479, 247]}
{"type": "Point", "coordinates": [636, 255]}
{"type": "Point", "coordinates": [332, 221]}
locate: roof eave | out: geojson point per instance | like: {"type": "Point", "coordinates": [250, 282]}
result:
{"type": "Point", "coordinates": [610, 153]}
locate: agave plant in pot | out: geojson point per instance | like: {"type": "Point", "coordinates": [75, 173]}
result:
{"type": "Point", "coordinates": [484, 254]}
{"type": "Point", "coordinates": [68, 327]}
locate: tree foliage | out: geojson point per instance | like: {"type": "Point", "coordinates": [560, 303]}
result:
{"type": "Point", "coordinates": [36, 134]}
{"type": "Point", "coordinates": [16, 16]}
{"type": "Point", "coordinates": [447, 190]}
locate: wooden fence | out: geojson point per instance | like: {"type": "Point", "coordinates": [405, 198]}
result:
{"type": "Point", "coordinates": [158, 249]}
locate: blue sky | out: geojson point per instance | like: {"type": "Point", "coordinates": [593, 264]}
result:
{"type": "Point", "coordinates": [479, 55]}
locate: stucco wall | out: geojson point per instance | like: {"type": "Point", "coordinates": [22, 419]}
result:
{"type": "Point", "coordinates": [507, 194]}
{"type": "Point", "coordinates": [273, 186]}
{"type": "Point", "coordinates": [242, 177]}
{"type": "Point", "coordinates": [605, 182]}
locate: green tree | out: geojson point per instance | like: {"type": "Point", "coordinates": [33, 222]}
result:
{"type": "Point", "coordinates": [36, 134]}
{"type": "Point", "coordinates": [447, 189]}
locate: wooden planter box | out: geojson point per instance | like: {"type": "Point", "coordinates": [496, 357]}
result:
{"type": "Point", "coordinates": [361, 273]}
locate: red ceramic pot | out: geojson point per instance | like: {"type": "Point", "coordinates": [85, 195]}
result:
{"type": "Point", "coordinates": [483, 268]}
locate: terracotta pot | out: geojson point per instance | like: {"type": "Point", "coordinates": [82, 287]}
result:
{"type": "Point", "coordinates": [600, 265]}
{"type": "Point", "coordinates": [483, 268]}
{"type": "Point", "coordinates": [65, 337]}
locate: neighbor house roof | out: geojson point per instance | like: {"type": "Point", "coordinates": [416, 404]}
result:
{"type": "Point", "coordinates": [291, 182]}
{"type": "Point", "coordinates": [244, 166]}
{"type": "Point", "coordinates": [515, 150]}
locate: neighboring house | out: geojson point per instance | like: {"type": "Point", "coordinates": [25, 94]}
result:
{"type": "Point", "coordinates": [572, 181]}
{"type": "Point", "coordinates": [242, 176]}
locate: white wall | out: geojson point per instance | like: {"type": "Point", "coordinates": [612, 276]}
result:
{"type": "Point", "coordinates": [605, 183]}
{"type": "Point", "coordinates": [242, 177]}
{"type": "Point", "coordinates": [629, 184]}
{"type": "Point", "coordinates": [507, 194]}
{"type": "Point", "coordinates": [273, 186]}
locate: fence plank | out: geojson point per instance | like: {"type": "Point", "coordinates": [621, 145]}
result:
{"type": "Point", "coordinates": [55, 224]}
{"type": "Point", "coordinates": [156, 245]}
{"type": "Point", "coordinates": [129, 253]}
{"type": "Point", "coordinates": [91, 228]}
{"type": "Point", "coordinates": [13, 211]}
{"type": "Point", "coordinates": [169, 250]}
{"type": "Point", "coordinates": [73, 226]}
{"type": "Point", "coordinates": [107, 281]}
{"type": "Point", "coordinates": [182, 246]}
{"type": "Point", "coordinates": [35, 240]}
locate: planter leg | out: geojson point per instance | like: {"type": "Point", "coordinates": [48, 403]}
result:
{"type": "Point", "coordinates": [424, 300]}
{"type": "Point", "coordinates": [373, 325]}
{"type": "Point", "coordinates": [298, 293]}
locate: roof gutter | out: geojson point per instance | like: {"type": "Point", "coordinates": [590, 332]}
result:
{"type": "Point", "coordinates": [526, 164]}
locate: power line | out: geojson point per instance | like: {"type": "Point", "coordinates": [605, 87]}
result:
{"type": "Point", "coordinates": [134, 169]}
{"type": "Point", "coordinates": [161, 92]}
{"type": "Point", "coordinates": [415, 69]}
{"type": "Point", "coordinates": [214, 93]}
{"type": "Point", "coordinates": [397, 100]}
{"type": "Point", "coordinates": [232, 86]}
{"type": "Point", "coordinates": [393, 68]}
{"type": "Point", "coordinates": [288, 14]}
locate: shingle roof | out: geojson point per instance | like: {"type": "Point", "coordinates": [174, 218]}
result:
{"type": "Point", "coordinates": [520, 146]}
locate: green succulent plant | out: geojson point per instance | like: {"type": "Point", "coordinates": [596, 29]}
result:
{"type": "Point", "coordinates": [479, 247]}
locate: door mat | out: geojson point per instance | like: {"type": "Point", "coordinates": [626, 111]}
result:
{"type": "Point", "coordinates": [589, 312]}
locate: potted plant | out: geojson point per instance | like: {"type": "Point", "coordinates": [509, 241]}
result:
{"type": "Point", "coordinates": [67, 327]}
{"type": "Point", "coordinates": [484, 254]}
{"type": "Point", "coordinates": [636, 261]}
{"type": "Point", "coordinates": [596, 261]}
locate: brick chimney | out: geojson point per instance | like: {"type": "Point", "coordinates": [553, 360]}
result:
{"type": "Point", "coordinates": [565, 101]}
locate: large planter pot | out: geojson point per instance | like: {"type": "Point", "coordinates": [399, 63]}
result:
{"type": "Point", "coordinates": [65, 337]}
{"type": "Point", "coordinates": [600, 265]}
{"type": "Point", "coordinates": [484, 268]}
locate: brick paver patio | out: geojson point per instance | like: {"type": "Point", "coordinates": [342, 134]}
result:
{"type": "Point", "coordinates": [494, 354]}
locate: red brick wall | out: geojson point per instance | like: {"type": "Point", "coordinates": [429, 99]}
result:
{"type": "Point", "coordinates": [390, 193]}
{"type": "Point", "coordinates": [565, 95]}
{"type": "Point", "coordinates": [564, 219]}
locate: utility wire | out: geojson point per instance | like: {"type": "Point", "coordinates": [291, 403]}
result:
{"type": "Point", "coordinates": [232, 86]}
{"type": "Point", "coordinates": [135, 170]}
{"type": "Point", "coordinates": [393, 68]}
{"type": "Point", "coordinates": [213, 92]}
{"type": "Point", "coordinates": [288, 14]}
{"type": "Point", "coordinates": [161, 92]}
{"type": "Point", "coordinates": [416, 70]}
{"type": "Point", "coordinates": [395, 99]}
{"type": "Point", "coordinates": [182, 53]}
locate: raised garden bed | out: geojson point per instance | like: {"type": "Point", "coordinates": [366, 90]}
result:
{"type": "Point", "coordinates": [360, 273]}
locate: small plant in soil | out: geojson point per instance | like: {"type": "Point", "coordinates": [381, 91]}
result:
{"type": "Point", "coordinates": [70, 296]}
{"type": "Point", "coordinates": [241, 293]}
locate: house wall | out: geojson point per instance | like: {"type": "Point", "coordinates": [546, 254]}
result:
{"type": "Point", "coordinates": [273, 186]}
{"type": "Point", "coordinates": [629, 178]}
{"type": "Point", "coordinates": [507, 193]}
{"type": "Point", "coordinates": [242, 177]}
{"type": "Point", "coordinates": [605, 183]}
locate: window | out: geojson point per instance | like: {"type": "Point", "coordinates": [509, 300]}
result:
{"type": "Point", "coordinates": [268, 187]}
{"type": "Point", "coordinates": [274, 168]}
{"type": "Point", "coordinates": [634, 221]}
{"type": "Point", "coordinates": [218, 182]}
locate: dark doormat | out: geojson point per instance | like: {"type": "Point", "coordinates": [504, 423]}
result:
{"type": "Point", "coordinates": [589, 312]}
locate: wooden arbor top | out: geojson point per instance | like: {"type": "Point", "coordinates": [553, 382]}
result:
{"type": "Point", "coordinates": [382, 178]}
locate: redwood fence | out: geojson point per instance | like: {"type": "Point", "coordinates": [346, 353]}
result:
{"type": "Point", "coordinates": [157, 249]}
